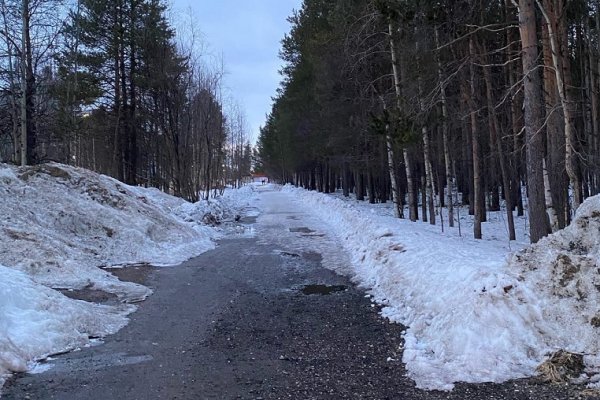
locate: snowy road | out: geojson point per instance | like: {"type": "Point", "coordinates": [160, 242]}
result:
{"type": "Point", "coordinates": [250, 320]}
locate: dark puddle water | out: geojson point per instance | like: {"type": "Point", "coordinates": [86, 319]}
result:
{"type": "Point", "coordinates": [248, 219]}
{"type": "Point", "coordinates": [322, 289]}
{"type": "Point", "coordinates": [301, 229]}
{"type": "Point", "coordinates": [90, 295]}
{"type": "Point", "coordinates": [288, 254]}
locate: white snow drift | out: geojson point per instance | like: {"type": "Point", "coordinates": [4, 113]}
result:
{"type": "Point", "coordinates": [58, 225]}
{"type": "Point", "coordinates": [62, 223]}
{"type": "Point", "coordinates": [473, 313]}
{"type": "Point", "coordinates": [37, 321]}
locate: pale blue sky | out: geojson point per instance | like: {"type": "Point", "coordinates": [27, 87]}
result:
{"type": "Point", "coordinates": [247, 34]}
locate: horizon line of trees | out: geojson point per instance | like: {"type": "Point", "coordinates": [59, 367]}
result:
{"type": "Point", "coordinates": [109, 86]}
{"type": "Point", "coordinates": [433, 104]}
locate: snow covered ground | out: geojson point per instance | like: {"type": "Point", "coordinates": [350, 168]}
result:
{"type": "Point", "coordinates": [476, 311]}
{"type": "Point", "coordinates": [58, 225]}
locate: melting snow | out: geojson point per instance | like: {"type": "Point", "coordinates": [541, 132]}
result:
{"type": "Point", "coordinates": [474, 311]}
{"type": "Point", "coordinates": [58, 225]}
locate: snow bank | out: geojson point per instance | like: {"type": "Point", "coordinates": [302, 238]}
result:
{"type": "Point", "coordinates": [38, 321]}
{"type": "Point", "coordinates": [563, 269]}
{"type": "Point", "coordinates": [63, 222]}
{"type": "Point", "coordinates": [58, 225]}
{"type": "Point", "coordinates": [470, 317]}
{"type": "Point", "coordinates": [224, 208]}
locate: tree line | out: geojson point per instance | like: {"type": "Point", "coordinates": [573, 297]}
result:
{"type": "Point", "coordinates": [109, 86]}
{"type": "Point", "coordinates": [434, 104]}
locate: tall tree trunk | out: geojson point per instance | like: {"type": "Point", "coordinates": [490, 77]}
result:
{"type": "Point", "coordinates": [345, 180]}
{"type": "Point", "coordinates": [467, 150]}
{"type": "Point", "coordinates": [430, 191]}
{"type": "Point", "coordinates": [587, 95]}
{"type": "Point", "coordinates": [360, 191]}
{"type": "Point", "coordinates": [561, 69]}
{"type": "Point", "coordinates": [132, 142]}
{"type": "Point", "coordinates": [516, 153]}
{"type": "Point", "coordinates": [592, 102]}
{"type": "Point", "coordinates": [410, 185]}
{"type": "Point", "coordinates": [423, 182]}
{"type": "Point", "coordinates": [477, 186]}
{"type": "Point", "coordinates": [533, 100]}
{"type": "Point", "coordinates": [512, 40]}
{"type": "Point", "coordinates": [125, 138]}
{"type": "Point", "coordinates": [552, 215]}
{"type": "Point", "coordinates": [30, 91]}
{"type": "Point", "coordinates": [497, 142]}
{"type": "Point", "coordinates": [326, 178]}
{"type": "Point", "coordinates": [555, 179]}
{"type": "Point", "coordinates": [371, 185]}
{"type": "Point", "coordinates": [597, 89]}
{"type": "Point", "coordinates": [14, 107]}
{"type": "Point", "coordinates": [447, 162]}
{"type": "Point", "coordinates": [118, 105]}
{"type": "Point", "coordinates": [398, 209]}
{"type": "Point", "coordinates": [24, 92]}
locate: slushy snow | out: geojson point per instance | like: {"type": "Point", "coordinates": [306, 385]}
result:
{"type": "Point", "coordinates": [474, 310]}
{"type": "Point", "coordinates": [58, 225]}
{"type": "Point", "coordinates": [38, 321]}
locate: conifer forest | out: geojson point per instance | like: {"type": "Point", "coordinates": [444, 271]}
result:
{"type": "Point", "coordinates": [437, 104]}
{"type": "Point", "coordinates": [300, 199]}
{"type": "Point", "coordinates": [108, 85]}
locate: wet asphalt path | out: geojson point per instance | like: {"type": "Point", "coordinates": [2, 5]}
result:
{"type": "Point", "coordinates": [235, 323]}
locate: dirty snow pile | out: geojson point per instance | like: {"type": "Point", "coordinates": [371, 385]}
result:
{"type": "Point", "coordinates": [61, 223]}
{"type": "Point", "coordinates": [213, 212]}
{"type": "Point", "coordinates": [474, 311]}
{"type": "Point", "coordinates": [563, 270]}
{"type": "Point", "coordinates": [36, 321]}
{"type": "Point", "coordinates": [58, 225]}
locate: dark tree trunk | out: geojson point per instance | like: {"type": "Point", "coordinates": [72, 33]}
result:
{"type": "Point", "coordinates": [538, 219]}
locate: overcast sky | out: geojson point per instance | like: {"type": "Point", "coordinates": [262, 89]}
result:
{"type": "Point", "coordinates": [247, 33]}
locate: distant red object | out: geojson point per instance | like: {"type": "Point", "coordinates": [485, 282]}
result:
{"type": "Point", "coordinates": [260, 178]}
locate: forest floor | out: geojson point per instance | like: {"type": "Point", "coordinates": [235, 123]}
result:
{"type": "Point", "coordinates": [258, 317]}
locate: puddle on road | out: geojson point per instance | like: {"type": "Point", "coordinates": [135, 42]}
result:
{"type": "Point", "coordinates": [312, 256]}
{"type": "Point", "coordinates": [322, 289]}
{"type": "Point", "coordinates": [91, 295]}
{"type": "Point", "coordinates": [301, 229]}
{"type": "Point", "coordinates": [288, 254]}
{"type": "Point", "coordinates": [137, 273]}
{"type": "Point", "coordinates": [248, 219]}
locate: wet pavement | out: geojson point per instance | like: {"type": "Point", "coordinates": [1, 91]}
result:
{"type": "Point", "coordinates": [259, 317]}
